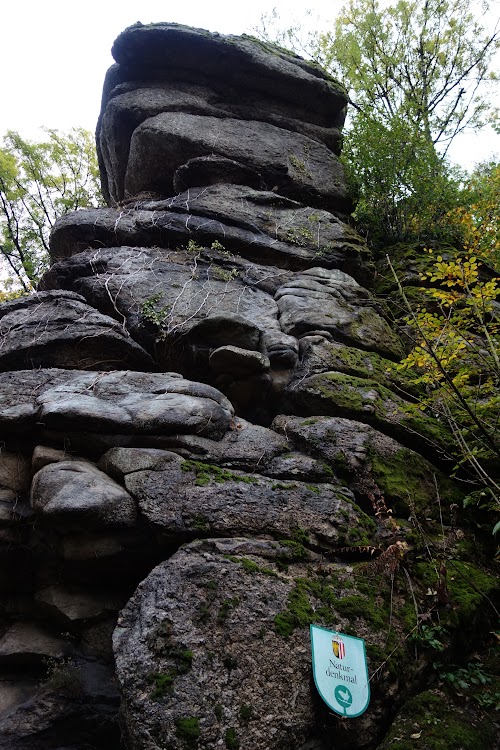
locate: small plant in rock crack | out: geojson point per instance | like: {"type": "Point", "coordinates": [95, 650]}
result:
{"type": "Point", "coordinates": [432, 637]}
{"type": "Point", "coordinates": [223, 274]}
{"type": "Point", "coordinates": [153, 313]}
{"type": "Point", "coordinates": [477, 683]}
{"type": "Point", "coordinates": [219, 247]}
{"type": "Point", "coordinates": [63, 676]}
{"type": "Point", "coordinates": [193, 247]}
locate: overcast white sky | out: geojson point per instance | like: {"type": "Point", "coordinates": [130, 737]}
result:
{"type": "Point", "coordinates": [54, 54]}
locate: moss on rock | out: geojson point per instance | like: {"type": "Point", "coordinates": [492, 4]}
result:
{"type": "Point", "coordinates": [429, 721]}
{"type": "Point", "coordinates": [207, 472]}
{"type": "Point", "coordinates": [188, 729]}
{"type": "Point", "coordinates": [407, 483]}
{"type": "Point", "coordinates": [338, 394]}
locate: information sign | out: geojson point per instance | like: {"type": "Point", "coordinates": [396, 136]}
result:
{"type": "Point", "coordinates": [340, 671]}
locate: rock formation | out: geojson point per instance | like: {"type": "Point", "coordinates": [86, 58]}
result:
{"type": "Point", "coordinates": [203, 436]}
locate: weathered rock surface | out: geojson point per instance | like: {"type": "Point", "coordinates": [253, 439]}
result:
{"type": "Point", "coordinates": [330, 300]}
{"type": "Point", "coordinates": [183, 640]}
{"type": "Point", "coordinates": [259, 225]}
{"type": "Point", "coordinates": [29, 643]}
{"type": "Point", "coordinates": [71, 493]}
{"type": "Point", "coordinates": [74, 707]}
{"type": "Point", "coordinates": [182, 306]}
{"type": "Point", "coordinates": [210, 644]}
{"type": "Point", "coordinates": [73, 604]}
{"type": "Point", "coordinates": [364, 400]}
{"type": "Point", "coordinates": [58, 329]}
{"type": "Point", "coordinates": [204, 66]}
{"type": "Point", "coordinates": [201, 404]}
{"type": "Point", "coordinates": [14, 472]}
{"type": "Point", "coordinates": [372, 462]}
{"type": "Point", "coordinates": [63, 402]}
{"type": "Point", "coordinates": [188, 498]}
{"type": "Point", "coordinates": [290, 163]}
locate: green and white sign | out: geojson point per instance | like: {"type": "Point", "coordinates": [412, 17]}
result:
{"type": "Point", "coordinates": [340, 671]}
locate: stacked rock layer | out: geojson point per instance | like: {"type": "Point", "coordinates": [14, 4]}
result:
{"type": "Point", "coordinates": [201, 427]}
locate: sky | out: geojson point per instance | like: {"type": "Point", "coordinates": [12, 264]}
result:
{"type": "Point", "coordinates": [54, 54]}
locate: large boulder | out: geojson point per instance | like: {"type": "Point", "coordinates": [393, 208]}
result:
{"type": "Point", "coordinates": [203, 424]}
{"type": "Point", "coordinates": [69, 493]}
{"type": "Point", "coordinates": [213, 648]}
{"type": "Point", "coordinates": [58, 329]}
{"type": "Point", "coordinates": [71, 403]}
{"type": "Point", "coordinates": [200, 114]}
{"type": "Point", "coordinates": [184, 499]}
{"type": "Point", "coordinates": [259, 225]}
{"type": "Point", "coordinates": [289, 163]}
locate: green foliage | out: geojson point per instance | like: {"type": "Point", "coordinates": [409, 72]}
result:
{"type": "Point", "coordinates": [414, 60]}
{"type": "Point", "coordinates": [431, 720]}
{"type": "Point", "coordinates": [473, 679]}
{"type": "Point", "coordinates": [223, 274]}
{"type": "Point", "coordinates": [208, 472]}
{"type": "Point", "coordinates": [231, 740]}
{"type": "Point", "coordinates": [39, 182]}
{"type": "Point", "coordinates": [469, 588]}
{"type": "Point", "coordinates": [408, 67]}
{"type": "Point", "coordinates": [246, 712]}
{"type": "Point", "coordinates": [478, 216]}
{"type": "Point", "coordinates": [295, 550]}
{"type": "Point", "coordinates": [432, 636]}
{"type": "Point", "coordinates": [404, 189]}
{"type": "Point", "coordinates": [218, 246]}
{"type": "Point", "coordinates": [188, 729]}
{"type": "Point", "coordinates": [456, 359]}
{"type": "Point", "coordinates": [418, 73]}
{"type": "Point", "coordinates": [193, 247]}
{"type": "Point", "coordinates": [218, 711]}
{"type": "Point", "coordinates": [64, 676]}
{"type": "Point", "coordinates": [463, 677]}
{"type": "Point", "coordinates": [156, 315]}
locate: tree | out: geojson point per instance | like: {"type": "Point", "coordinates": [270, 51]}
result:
{"type": "Point", "coordinates": [40, 181]}
{"type": "Point", "coordinates": [478, 215]}
{"type": "Point", "coordinates": [404, 190]}
{"type": "Point", "coordinates": [456, 359]}
{"type": "Point", "coordinates": [417, 72]}
{"type": "Point", "coordinates": [425, 62]}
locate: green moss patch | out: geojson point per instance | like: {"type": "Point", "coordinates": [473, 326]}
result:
{"type": "Point", "coordinates": [299, 612]}
{"type": "Point", "coordinates": [250, 566]}
{"type": "Point", "coordinates": [406, 481]}
{"type": "Point", "coordinates": [225, 608]}
{"type": "Point", "coordinates": [337, 394]}
{"type": "Point", "coordinates": [163, 681]}
{"type": "Point", "coordinates": [231, 740]}
{"type": "Point", "coordinates": [188, 729]}
{"type": "Point", "coordinates": [246, 713]}
{"type": "Point", "coordinates": [469, 589]}
{"type": "Point", "coordinates": [429, 721]}
{"type": "Point", "coordinates": [369, 365]}
{"type": "Point", "coordinates": [208, 472]}
{"type": "Point", "coordinates": [365, 607]}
